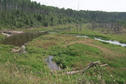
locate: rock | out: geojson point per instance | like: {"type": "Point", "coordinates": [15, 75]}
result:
{"type": "Point", "coordinates": [22, 49]}
{"type": "Point", "coordinates": [15, 50]}
{"type": "Point", "coordinates": [19, 50]}
{"type": "Point", "coordinates": [5, 34]}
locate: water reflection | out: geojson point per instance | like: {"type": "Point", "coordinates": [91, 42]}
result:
{"type": "Point", "coordinates": [21, 39]}
{"type": "Point", "coordinates": [106, 41]}
{"type": "Point", "coordinates": [111, 42]}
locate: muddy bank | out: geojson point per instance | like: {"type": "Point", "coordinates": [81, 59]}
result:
{"type": "Point", "coordinates": [10, 33]}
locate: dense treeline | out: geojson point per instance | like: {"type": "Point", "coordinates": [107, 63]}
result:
{"type": "Point", "coordinates": [24, 13]}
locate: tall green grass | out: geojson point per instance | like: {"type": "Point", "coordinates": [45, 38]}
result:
{"type": "Point", "coordinates": [31, 67]}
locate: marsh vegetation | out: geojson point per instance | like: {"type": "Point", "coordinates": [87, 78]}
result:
{"type": "Point", "coordinates": [59, 41]}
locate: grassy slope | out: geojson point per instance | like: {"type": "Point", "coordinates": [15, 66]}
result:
{"type": "Point", "coordinates": [70, 52]}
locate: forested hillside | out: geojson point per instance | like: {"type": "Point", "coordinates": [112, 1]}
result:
{"type": "Point", "coordinates": [24, 13]}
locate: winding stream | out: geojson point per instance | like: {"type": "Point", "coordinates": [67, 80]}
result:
{"type": "Point", "coordinates": [106, 41]}
{"type": "Point", "coordinates": [111, 42]}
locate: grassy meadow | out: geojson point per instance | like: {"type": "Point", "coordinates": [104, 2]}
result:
{"type": "Point", "coordinates": [71, 53]}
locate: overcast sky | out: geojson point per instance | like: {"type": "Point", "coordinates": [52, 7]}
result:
{"type": "Point", "coordinates": [102, 5]}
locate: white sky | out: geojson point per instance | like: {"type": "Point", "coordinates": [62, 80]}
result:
{"type": "Point", "coordinates": [102, 5]}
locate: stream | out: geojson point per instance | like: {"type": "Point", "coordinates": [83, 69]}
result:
{"type": "Point", "coordinates": [106, 41]}
{"type": "Point", "coordinates": [111, 42]}
{"type": "Point", "coordinates": [51, 64]}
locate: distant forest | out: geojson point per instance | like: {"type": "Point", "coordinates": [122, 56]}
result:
{"type": "Point", "coordinates": [25, 13]}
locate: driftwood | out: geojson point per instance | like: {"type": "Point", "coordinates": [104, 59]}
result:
{"type": "Point", "coordinates": [19, 49]}
{"type": "Point", "coordinates": [15, 50]}
{"type": "Point", "coordinates": [10, 33]}
{"type": "Point", "coordinates": [89, 66]}
{"type": "Point", "coordinates": [103, 65]}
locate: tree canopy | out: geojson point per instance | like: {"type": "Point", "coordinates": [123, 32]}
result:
{"type": "Point", "coordinates": [25, 13]}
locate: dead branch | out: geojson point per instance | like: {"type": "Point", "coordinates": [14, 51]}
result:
{"type": "Point", "coordinates": [88, 67]}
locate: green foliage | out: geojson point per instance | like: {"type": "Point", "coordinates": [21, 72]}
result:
{"type": "Point", "coordinates": [69, 56]}
{"type": "Point", "coordinates": [26, 13]}
{"type": "Point", "coordinates": [1, 37]}
{"type": "Point", "coordinates": [31, 67]}
{"type": "Point", "coordinates": [99, 75]}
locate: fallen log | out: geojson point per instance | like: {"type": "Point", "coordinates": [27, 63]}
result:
{"type": "Point", "coordinates": [103, 65]}
{"type": "Point", "coordinates": [88, 67]}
